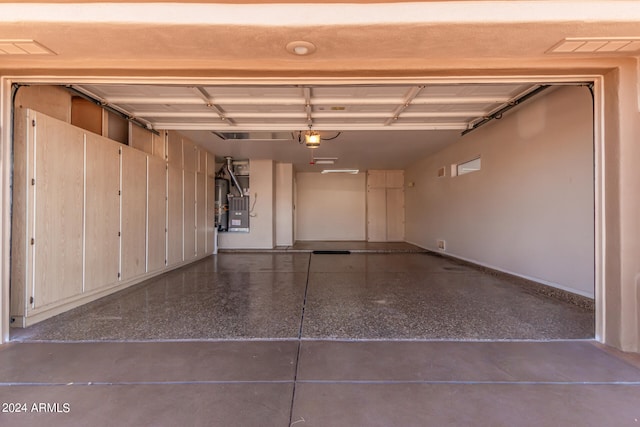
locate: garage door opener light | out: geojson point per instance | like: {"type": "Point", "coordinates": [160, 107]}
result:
{"type": "Point", "coordinates": [312, 139]}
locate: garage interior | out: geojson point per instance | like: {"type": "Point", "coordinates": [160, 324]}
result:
{"type": "Point", "coordinates": [481, 267]}
{"type": "Point", "coordinates": [155, 174]}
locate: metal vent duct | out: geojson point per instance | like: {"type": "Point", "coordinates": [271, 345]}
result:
{"type": "Point", "coordinates": [254, 136]}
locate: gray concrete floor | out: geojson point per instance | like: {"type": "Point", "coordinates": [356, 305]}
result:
{"type": "Point", "coordinates": [318, 383]}
{"type": "Point", "coordinates": [293, 338]}
{"type": "Point", "coordinates": [361, 296]}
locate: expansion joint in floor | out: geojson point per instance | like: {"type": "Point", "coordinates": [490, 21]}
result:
{"type": "Point", "coordinates": [295, 372]}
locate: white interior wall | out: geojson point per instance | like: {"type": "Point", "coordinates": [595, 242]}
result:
{"type": "Point", "coordinates": [261, 221]}
{"type": "Point", "coordinates": [530, 209]}
{"type": "Point", "coordinates": [284, 204]}
{"type": "Point", "coordinates": [330, 206]}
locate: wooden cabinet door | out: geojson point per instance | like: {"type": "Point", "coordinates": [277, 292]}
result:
{"type": "Point", "coordinates": [102, 243]}
{"type": "Point", "coordinates": [376, 215]}
{"type": "Point", "coordinates": [210, 214]}
{"type": "Point", "coordinates": [175, 211]}
{"type": "Point", "coordinates": [174, 150]}
{"type": "Point", "coordinates": [376, 179]}
{"type": "Point", "coordinates": [395, 214]}
{"type": "Point", "coordinates": [394, 179]}
{"type": "Point", "coordinates": [201, 213]}
{"type": "Point", "coordinates": [189, 215]}
{"type": "Point", "coordinates": [59, 197]}
{"type": "Point", "coordinates": [134, 213]}
{"type": "Point", "coordinates": [385, 205]}
{"type": "Point", "coordinates": [157, 214]}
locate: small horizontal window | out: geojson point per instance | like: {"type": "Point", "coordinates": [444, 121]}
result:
{"type": "Point", "coordinates": [468, 167]}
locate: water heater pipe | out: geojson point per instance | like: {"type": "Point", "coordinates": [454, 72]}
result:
{"type": "Point", "coordinates": [232, 175]}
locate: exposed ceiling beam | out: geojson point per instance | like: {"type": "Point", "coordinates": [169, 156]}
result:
{"type": "Point", "coordinates": [143, 100]}
{"type": "Point", "coordinates": [302, 126]}
{"type": "Point", "coordinates": [316, 115]}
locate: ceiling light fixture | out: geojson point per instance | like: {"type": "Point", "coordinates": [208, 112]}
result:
{"type": "Point", "coordinates": [351, 171]}
{"type": "Point", "coordinates": [324, 160]}
{"type": "Point", "coordinates": [312, 138]}
{"type": "Point", "coordinates": [300, 48]}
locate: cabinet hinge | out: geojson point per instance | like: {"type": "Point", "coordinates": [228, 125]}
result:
{"type": "Point", "coordinates": [33, 123]}
{"type": "Point", "coordinates": [119, 193]}
{"type": "Point", "coordinates": [118, 274]}
{"type": "Point", "coordinates": [118, 234]}
{"type": "Point", "coordinates": [120, 151]}
{"type": "Point", "coordinates": [33, 241]}
{"type": "Point", "coordinates": [31, 300]}
{"type": "Point", "coordinates": [33, 181]}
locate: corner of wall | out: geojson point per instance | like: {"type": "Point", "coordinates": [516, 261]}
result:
{"type": "Point", "coordinates": [637, 65]}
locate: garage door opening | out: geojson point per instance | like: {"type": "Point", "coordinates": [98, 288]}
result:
{"type": "Point", "coordinates": [142, 208]}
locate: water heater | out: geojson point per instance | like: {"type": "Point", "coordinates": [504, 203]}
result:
{"type": "Point", "coordinates": [221, 206]}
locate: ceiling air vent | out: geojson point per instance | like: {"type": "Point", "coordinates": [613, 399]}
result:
{"type": "Point", "coordinates": [23, 47]}
{"type": "Point", "coordinates": [254, 136]}
{"type": "Point", "coordinates": [597, 45]}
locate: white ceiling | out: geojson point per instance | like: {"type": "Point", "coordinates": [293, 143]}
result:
{"type": "Point", "coordinates": [372, 126]}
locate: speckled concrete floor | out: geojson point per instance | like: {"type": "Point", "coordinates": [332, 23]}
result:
{"type": "Point", "coordinates": [361, 296]}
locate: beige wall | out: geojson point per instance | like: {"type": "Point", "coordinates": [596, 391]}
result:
{"type": "Point", "coordinates": [530, 209]}
{"type": "Point", "coordinates": [53, 101]}
{"type": "Point", "coordinates": [621, 301]}
{"type": "Point", "coordinates": [261, 221]}
{"type": "Point", "coordinates": [330, 206]}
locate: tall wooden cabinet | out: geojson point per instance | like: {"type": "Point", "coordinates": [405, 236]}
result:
{"type": "Point", "coordinates": [385, 205]}
{"type": "Point", "coordinates": [157, 217]}
{"type": "Point", "coordinates": [135, 178]}
{"type": "Point", "coordinates": [102, 231]}
{"type": "Point", "coordinates": [55, 183]}
{"type": "Point", "coordinates": [91, 216]}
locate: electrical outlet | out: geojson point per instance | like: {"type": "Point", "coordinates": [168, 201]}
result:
{"type": "Point", "coordinates": [441, 245]}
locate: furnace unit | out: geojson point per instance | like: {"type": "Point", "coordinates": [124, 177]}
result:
{"type": "Point", "coordinates": [232, 199]}
{"type": "Point", "coordinates": [238, 213]}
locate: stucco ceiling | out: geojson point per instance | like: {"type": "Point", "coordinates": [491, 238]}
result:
{"type": "Point", "coordinates": [202, 42]}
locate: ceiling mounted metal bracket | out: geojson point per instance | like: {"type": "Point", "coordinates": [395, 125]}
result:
{"type": "Point", "coordinates": [209, 103]}
{"type": "Point", "coordinates": [496, 115]}
{"type": "Point", "coordinates": [409, 97]}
